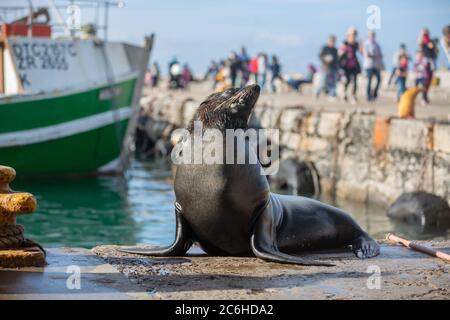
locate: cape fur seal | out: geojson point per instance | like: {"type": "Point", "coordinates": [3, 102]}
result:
{"type": "Point", "coordinates": [228, 209]}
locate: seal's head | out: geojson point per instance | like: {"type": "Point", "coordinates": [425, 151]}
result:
{"type": "Point", "coordinates": [229, 109]}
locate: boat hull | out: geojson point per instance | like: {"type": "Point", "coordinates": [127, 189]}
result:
{"type": "Point", "coordinates": [65, 133]}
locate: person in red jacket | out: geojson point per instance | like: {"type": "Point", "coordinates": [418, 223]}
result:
{"type": "Point", "coordinates": [253, 68]}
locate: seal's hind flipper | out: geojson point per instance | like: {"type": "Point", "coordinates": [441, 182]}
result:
{"type": "Point", "coordinates": [269, 253]}
{"type": "Point", "coordinates": [263, 244]}
{"type": "Point", "coordinates": [179, 247]}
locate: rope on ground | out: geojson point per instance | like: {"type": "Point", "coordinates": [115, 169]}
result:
{"type": "Point", "coordinates": [11, 236]}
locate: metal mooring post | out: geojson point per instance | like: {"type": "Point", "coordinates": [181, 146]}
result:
{"type": "Point", "coordinates": [15, 249]}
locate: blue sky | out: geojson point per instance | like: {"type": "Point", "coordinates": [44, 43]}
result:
{"type": "Point", "coordinates": [198, 30]}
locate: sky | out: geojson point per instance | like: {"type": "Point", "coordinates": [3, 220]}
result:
{"type": "Point", "coordinates": [196, 31]}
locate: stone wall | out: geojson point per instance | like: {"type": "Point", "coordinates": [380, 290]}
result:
{"type": "Point", "coordinates": [359, 155]}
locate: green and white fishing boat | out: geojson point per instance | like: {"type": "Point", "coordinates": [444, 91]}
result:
{"type": "Point", "coordinates": [65, 103]}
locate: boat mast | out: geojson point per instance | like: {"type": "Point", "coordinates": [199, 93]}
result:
{"type": "Point", "coordinates": [30, 19]}
{"type": "Point", "coordinates": [58, 16]}
{"type": "Point", "coordinates": [106, 21]}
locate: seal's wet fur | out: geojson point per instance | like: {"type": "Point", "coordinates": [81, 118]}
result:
{"type": "Point", "coordinates": [228, 209]}
{"type": "Point", "coordinates": [229, 109]}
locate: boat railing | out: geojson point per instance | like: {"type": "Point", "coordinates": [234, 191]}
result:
{"type": "Point", "coordinates": [66, 18]}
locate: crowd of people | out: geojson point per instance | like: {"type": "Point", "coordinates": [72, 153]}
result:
{"type": "Point", "coordinates": [240, 69]}
{"type": "Point", "coordinates": [179, 77]}
{"type": "Point", "coordinates": [344, 63]}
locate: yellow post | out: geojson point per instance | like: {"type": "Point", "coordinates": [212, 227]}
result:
{"type": "Point", "coordinates": [15, 249]}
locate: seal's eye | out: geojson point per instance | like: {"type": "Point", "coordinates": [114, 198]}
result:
{"type": "Point", "coordinates": [234, 108]}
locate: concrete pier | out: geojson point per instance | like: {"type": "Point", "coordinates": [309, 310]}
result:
{"type": "Point", "coordinates": [397, 273]}
{"type": "Point", "coordinates": [385, 105]}
{"type": "Point", "coordinates": [104, 273]}
{"type": "Point", "coordinates": [70, 274]}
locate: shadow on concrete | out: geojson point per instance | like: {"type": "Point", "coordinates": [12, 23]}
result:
{"type": "Point", "coordinates": [202, 282]}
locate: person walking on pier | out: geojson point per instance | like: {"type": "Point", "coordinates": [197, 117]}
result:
{"type": "Point", "coordinates": [349, 63]}
{"type": "Point", "coordinates": [428, 47]}
{"type": "Point", "coordinates": [262, 70]}
{"type": "Point", "coordinates": [222, 77]}
{"type": "Point", "coordinates": [211, 72]}
{"type": "Point", "coordinates": [186, 76]}
{"type": "Point", "coordinates": [244, 60]}
{"type": "Point", "coordinates": [373, 64]}
{"type": "Point", "coordinates": [235, 65]}
{"type": "Point", "coordinates": [401, 74]}
{"type": "Point", "coordinates": [424, 73]}
{"type": "Point", "coordinates": [155, 74]}
{"type": "Point", "coordinates": [275, 70]}
{"type": "Point", "coordinates": [395, 61]}
{"type": "Point", "coordinates": [175, 81]}
{"type": "Point", "coordinates": [425, 63]}
{"type": "Point", "coordinates": [445, 43]}
{"type": "Point", "coordinates": [253, 69]}
{"type": "Point", "coordinates": [328, 70]}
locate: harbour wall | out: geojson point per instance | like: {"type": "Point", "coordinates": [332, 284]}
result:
{"type": "Point", "coordinates": [359, 155]}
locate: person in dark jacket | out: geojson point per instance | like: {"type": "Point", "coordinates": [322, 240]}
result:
{"type": "Point", "coordinates": [425, 63]}
{"type": "Point", "coordinates": [348, 61]}
{"type": "Point", "coordinates": [155, 74]}
{"type": "Point", "coordinates": [328, 70]}
{"type": "Point", "coordinates": [211, 73]}
{"type": "Point", "coordinates": [275, 70]}
{"type": "Point", "coordinates": [243, 67]}
{"type": "Point", "coordinates": [428, 46]}
{"type": "Point", "coordinates": [235, 66]}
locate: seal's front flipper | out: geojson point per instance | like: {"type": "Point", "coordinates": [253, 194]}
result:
{"type": "Point", "coordinates": [180, 246]}
{"type": "Point", "coordinates": [263, 243]}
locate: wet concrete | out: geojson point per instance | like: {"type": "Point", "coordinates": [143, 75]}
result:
{"type": "Point", "coordinates": [58, 279]}
{"type": "Point", "coordinates": [404, 274]}
{"type": "Point", "coordinates": [108, 274]}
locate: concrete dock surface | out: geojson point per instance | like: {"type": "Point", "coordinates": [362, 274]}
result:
{"type": "Point", "coordinates": [397, 273]}
{"type": "Point", "coordinates": [70, 274]}
{"type": "Point", "coordinates": [104, 273]}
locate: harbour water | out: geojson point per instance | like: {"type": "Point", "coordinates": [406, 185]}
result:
{"type": "Point", "coordinates": [138, 209]}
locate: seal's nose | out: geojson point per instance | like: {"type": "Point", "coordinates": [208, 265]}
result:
{"type": "Point", "coordinates": [250, 92]}
{"type": "Point", "coordinates": [246, 98]}
{"type": "Point", "coordinates": [254, 88]}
